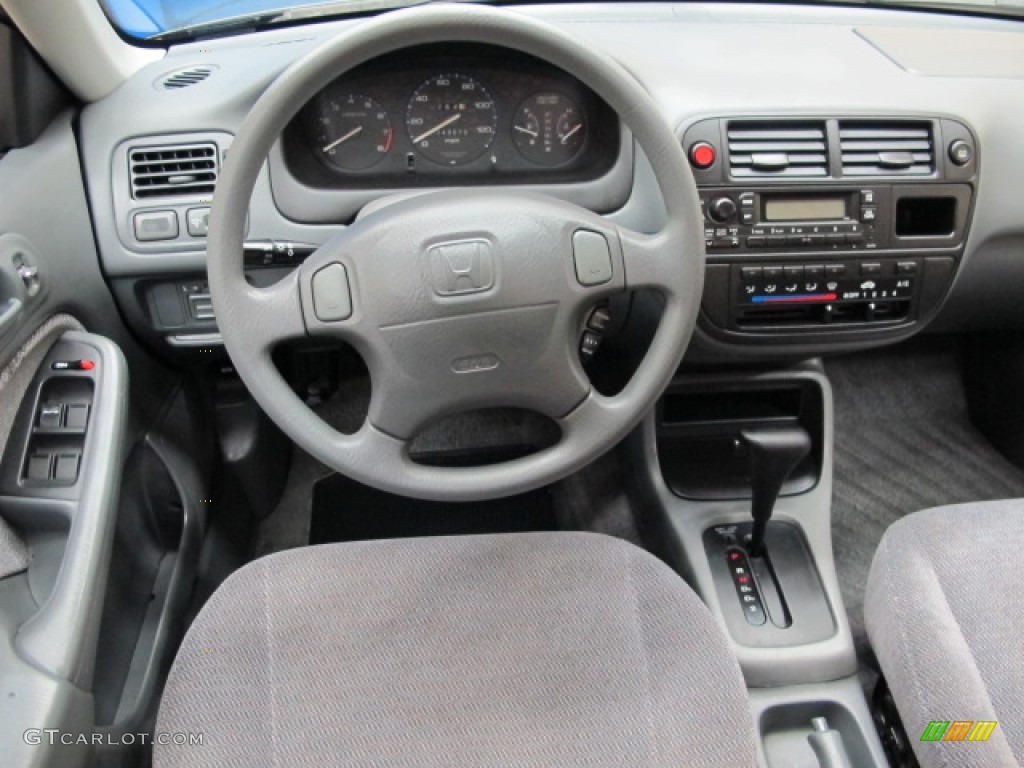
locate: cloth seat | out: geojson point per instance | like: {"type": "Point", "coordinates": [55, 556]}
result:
{"type": "Point", "coordinates": [553, 649]}
{"type": "Point", "coordinates": [944, 610]}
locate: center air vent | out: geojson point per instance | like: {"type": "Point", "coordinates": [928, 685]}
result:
{"type": "Point", "coordinates": [886, 148]}
{"type": "Point", "coordinates": [183, 78]}
{"type": "Point", "coordinates": [173, 171]}
{"type": "Point", "coordinates": [777, 149]}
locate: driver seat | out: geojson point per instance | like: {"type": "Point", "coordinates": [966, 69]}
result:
{"type": "Point", "coordinates": [540, 649]}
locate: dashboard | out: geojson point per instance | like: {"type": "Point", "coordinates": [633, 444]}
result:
{"type": "Point", "coordinates": [433, 116]}
{"type": "Point", "coordinates": [880, 185]}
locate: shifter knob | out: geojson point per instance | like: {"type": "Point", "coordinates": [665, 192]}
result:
{"type": "Point", "coordinates": [774, 454]}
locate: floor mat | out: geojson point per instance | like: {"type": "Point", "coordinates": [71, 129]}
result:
{"type": "Point", "coordinates": [344, 510]}
{"type": "Point", "coordinates": [903, 442]}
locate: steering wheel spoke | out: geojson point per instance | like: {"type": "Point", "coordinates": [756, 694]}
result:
{"type": "Point", "coordinates": [652, 261]}
{"type": "Point", "coordinates": [271, 315]}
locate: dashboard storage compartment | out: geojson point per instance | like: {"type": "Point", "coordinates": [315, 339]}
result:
{"type": "Point", "coordinates": [698, 435]}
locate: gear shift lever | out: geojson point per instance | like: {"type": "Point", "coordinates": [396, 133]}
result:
{"type": "Point", "coordinates": [774, 454]}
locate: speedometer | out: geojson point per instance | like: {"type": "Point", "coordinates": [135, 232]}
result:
{"type": "Point", "coordinates": [451, 119]}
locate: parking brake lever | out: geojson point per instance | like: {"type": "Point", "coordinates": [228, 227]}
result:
{"type": "Point", "coordinates": [774, 454]}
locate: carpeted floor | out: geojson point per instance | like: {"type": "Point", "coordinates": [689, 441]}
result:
{"type": "Point", "coordinates": [593, 499]}
{"type": "Point", "coordinates": [903, 442]}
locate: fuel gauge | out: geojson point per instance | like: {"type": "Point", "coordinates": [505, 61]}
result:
{"type": "Point", "coordinates": [548, 129]}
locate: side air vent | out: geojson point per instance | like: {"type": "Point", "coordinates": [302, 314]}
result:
{"type": "Point", "coordinates": [183, 78]}
{"type": "Point", "coordinates": [176, 171]}
{"type": "Point", "coordinates": [777, 149]}
{"type": "Point", "coordinates": [886, 148]}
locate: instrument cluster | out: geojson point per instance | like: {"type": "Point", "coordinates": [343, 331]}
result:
{"type": "Point", "coordinates": [426, 117]}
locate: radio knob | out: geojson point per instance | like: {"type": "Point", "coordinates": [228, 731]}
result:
{"type": "Point", "coordinates": [722, 209]}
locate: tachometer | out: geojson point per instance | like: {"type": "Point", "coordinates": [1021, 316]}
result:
{"type": "Point", "coordinates": [355, 132]}
{"type": "Point", "coordinates": [548, 128]}
{"type": "Point", "coordinates": [451, 119]}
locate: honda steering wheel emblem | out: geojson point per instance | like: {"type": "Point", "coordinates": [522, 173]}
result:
{"type": "Point", "coordinates": [462, 267]}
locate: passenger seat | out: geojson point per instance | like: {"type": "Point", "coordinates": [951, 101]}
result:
{"type": "Point", "coordinates": [944, 610]}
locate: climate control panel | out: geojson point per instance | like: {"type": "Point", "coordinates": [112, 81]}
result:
{"type": "Point", "coordinates": [841, 292]}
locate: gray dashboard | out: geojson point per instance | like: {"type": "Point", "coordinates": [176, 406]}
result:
{"type": "Point", "coordinates": [698, 61]}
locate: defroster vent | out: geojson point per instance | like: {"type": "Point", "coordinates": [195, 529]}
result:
{"type": "Point", "coordinates": [886, 148]}
{"type": "Point", "coordinates": [767, 149]}
{"type": "Point", "coordinates": [187, 170]}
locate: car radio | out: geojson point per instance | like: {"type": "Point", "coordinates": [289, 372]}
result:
{"type": "Point", "coordinates": [834, 219]}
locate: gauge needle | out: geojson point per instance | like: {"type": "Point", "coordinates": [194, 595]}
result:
{"type": "Point", "coordinates": [437, 128]}
{"type": "Point", "coordinates": [344, 138]}
{"type": "Point", "coordinates": [570, 133]}
{"type": "Point", "coordinates": [527, 131]}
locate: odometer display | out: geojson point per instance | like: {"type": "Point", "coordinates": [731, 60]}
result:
{"type": "Point", "coordinates": [451, 119]}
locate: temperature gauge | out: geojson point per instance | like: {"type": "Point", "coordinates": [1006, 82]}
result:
{"type": "Point", "coordinates": [549, 129]}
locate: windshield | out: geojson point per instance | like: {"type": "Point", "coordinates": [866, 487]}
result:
{"type": "Point", "coordinates": [168, 19]}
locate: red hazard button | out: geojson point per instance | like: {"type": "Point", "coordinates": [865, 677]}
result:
{"type": "Point", "coordinates": [702, 155]}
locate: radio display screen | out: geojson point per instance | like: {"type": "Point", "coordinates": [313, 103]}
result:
{"type": "Point", "coordinates": [804, 208]}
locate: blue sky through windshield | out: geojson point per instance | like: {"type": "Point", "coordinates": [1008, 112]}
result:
{"type": "Point", "coordinates": [144, 18]}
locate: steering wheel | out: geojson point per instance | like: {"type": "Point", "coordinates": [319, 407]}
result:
{"type": "Point", "coordinates": [459, 299]}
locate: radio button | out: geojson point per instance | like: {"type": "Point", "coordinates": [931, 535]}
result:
{"type": "Point", "coordinates": [870, 270]}
{"type": "Point", "coordinates": [793, 273]}
{"type": "Point", "coordinates": [855, 237]}
{"type": "Point", "coordinates": [835, 239]}
{"type": "Point", "coordinates": [755, 242]}
{"type": "Point", "coordinates": [814, 272]}
{"type": "Point", "coordinates": [906, 267]}
{"type": "Point", "coordinates": [774, 241]}
{"type": "Point", "coordinates": [721, 209]}
{"type": "Point", "coordinates": [835, 270]}
{"type": "Point", "coordinates": [816, 239]}
{"type": "Point", "coordinates": [772, 274]}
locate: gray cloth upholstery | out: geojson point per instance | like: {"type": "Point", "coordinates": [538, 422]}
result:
{"type": "Point", "coordinates": [945, 613]}
{"type": "Point", "coordinates": [13, 552]}
{"type": "Point", "coordinates": [564, 649]}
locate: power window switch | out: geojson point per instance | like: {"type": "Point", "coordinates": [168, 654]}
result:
{"type": "Point", "coordinates": [77, 417]}
{"type": "Point", "coordinates": [66, 467]}
{"type": "Point", "coordinates": [50, 416]}
{"type": "Point", "coordinates": [38, 466]}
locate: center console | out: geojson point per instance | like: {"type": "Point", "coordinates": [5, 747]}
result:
{"type": "Point", "coordinates": [846, 229]}
{"type": "Point", "coordinates": [733, 484]}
